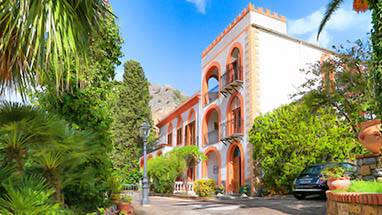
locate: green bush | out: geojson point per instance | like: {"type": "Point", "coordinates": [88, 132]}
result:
{"type": "Point", "coordinates": [162, 171]}
{"type": "Point", "coordinates": [291, 138]}
{"type": "Point", "coordinates": [204, 187]}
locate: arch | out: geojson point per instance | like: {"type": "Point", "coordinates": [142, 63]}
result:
{"type": "Point", "coordinates": [238, 46]}
{"type": "Point", "coordinates": [211, 68]}
{"type": "Point", "coordinates": [179, 138]}
{"type": "Point", "coordinates": [169, 128]}
{"type": "Point", "coordinates": [159, 153]}
{"type": "Point", "coordinates": [191, 113]}
{"type": "Point", "coordinates": [205, 122]}
{"type": "Point", "coordinates": [190, 129]}
{"type": "Point", "coordinates": [205, 166]}
{"type": "Point", "coordinates": [327, 76]}
{"type": "Point", "coordinates": [229, 115]}
{"type": "Point", "coordinates": [229, 157]}
{"type": "Point", "coordinates": [170, 131]}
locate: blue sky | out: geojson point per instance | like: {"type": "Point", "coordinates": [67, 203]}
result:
{"type": "Point", "coordinates": [168, 36]}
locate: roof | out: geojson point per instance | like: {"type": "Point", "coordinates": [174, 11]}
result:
{"type": "Point", "coordinates": [194, 99]}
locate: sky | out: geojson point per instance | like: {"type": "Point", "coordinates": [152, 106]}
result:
{"type": "Point", "coordinates": [168, 36]}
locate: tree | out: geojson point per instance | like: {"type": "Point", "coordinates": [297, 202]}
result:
{"type": "Point", "coordinates": [130, 109]}
{"type": "Point", "coordinates": [291, 138]}
{"type": "Point", "coordinates": [191, 156]}
{"type": "Point", "coordinates": [376, 38]}
{"type": "Point", "coordinates": [86, 106]}
{"type": "Point", "coordinates": [342, 83]}
{"type": "Point", "coordinates": [43, 40]}
{"type": "Point", "coordinates": [163, 172]}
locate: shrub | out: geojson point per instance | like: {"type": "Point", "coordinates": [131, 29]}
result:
{"type": "Point", "coordinates": [291, 138]}
{"type": "Point", "coordinates": [205, 187]}
{"type": "Point", "coordinates": [163, 172]}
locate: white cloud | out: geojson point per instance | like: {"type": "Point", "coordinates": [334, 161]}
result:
{"type": "Point", "coordinates": [323, 40]}
{"type": "Point", "coordinates": [342, 20]}
{"type": "Point", "coordinates": [200, 5]}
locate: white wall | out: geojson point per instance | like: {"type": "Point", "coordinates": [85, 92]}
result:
{"type": "Point", "coordinates": [213, 164]}
{"type": "Point", "coordinates": [280, 61]}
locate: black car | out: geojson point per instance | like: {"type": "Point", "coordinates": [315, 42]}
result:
{"type": "Point", "coordinates": [311, 181]}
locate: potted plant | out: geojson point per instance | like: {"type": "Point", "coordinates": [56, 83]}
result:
{"type": "Point", "coordinates": [244, 190]}
{"type": "Point", "coordinates": [336, 177]}
{"type": "Point", "coordinates": [124, 205]}
{"type": "Point", "coordinates": [219, 190]}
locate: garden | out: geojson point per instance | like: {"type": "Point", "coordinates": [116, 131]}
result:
{"type": "Point", "coordinates": [335, 117]}
{"type": "Point", "coordinates": [61, 149]}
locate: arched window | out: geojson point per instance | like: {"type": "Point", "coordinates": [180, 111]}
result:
{"type": "Point", "coordinates": [169, 135]}
{"type": "Point", "coordinates": [211, 82]}
{"type": "Point", "coordinates": [235, 70]}
{"type": "Point", "coordinates": [179, 132]}
{"type": "Point", "coordinates": [236, 114]}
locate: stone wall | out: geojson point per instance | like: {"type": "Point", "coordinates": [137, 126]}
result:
{"type": "Point", "coordinates": [370, 167]}
{"type": "Point", "coordinates": [353, 204]}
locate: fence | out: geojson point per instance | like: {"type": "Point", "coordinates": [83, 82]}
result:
{"type": "Point", "coordinates": [179, 187]}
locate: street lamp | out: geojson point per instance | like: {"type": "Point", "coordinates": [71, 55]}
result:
{"type": "Point", "coordinates": [144, 131]}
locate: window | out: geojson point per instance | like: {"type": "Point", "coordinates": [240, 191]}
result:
{"type": "Point", "coordinates": [191, 134]}
{"type": "Point", "coordinates": [169, 139]}
{"type": "Point", "coordinates": [179, 136]}
{"type": "Point", "coordinates": [236, 115]}
{"type": "Point", "coordinates": [234, 67]}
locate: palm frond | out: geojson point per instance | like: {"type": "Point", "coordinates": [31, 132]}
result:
{"type": "Point", "coordinates": [41, 39]}
{"type": "Point", "coordinates": [330, 9]}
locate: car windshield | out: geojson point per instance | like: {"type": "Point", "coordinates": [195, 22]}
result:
{"type": "Point", "coordinates": [312, 170]}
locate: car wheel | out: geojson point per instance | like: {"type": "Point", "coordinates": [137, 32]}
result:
{"type": "Point", "coordinates": [299, 196]}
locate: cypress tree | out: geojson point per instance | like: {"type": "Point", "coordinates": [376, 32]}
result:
{"type": "Point", "coordinates": [130, 109]}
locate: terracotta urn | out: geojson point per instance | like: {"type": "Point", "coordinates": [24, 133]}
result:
{"type": "Point", "coordinates": [370, 135]}
{"type": "Point", "coordinates": [339, 183]}
{"type": "Point", "coordinates": [125, 207]}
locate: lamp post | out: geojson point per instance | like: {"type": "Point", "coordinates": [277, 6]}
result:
{"type": "Point", "coordinates": [144, 131]}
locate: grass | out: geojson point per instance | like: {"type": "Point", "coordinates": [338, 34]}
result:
{"type": "Point", "coordinates": [364, 187]}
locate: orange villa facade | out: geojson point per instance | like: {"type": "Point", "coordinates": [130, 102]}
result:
{"type": "Point", "coordinates": [252, 67]}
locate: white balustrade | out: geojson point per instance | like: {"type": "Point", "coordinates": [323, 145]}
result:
{"type": "Point", "coordinates": [179, 187]}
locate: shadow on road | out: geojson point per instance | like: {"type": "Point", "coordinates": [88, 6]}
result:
{"type": "Point", "coordinates": [310, 206]}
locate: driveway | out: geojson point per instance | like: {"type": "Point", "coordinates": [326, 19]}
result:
{"type": "Point", "coordinates": [261, 206]}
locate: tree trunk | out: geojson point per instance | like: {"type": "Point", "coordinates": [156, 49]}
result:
{"type": "Point", "coordinates": [56, 183]}
{"type": "Point", "coordinates": [20, 161]}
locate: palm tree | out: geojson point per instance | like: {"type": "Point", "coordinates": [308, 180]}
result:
{"type": "Point", "coordinates": [58, 159]}
{"type": "Point", "coordinates": [21, 127]}
{"type": "Point", "coordinates": [42, 38]}
{"type": "Point", "coordinates": [191, 156]}
{"type": "Point", "coordinates": [376, 38]}
{"type": "Point", "coordinates": [27, 195]}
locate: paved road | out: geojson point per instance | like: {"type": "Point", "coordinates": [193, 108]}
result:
{"type": "Point", "coordinates": [258, 206]}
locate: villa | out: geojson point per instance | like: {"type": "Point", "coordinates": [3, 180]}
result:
{"type": "Point", "coordinates": [252, 67]}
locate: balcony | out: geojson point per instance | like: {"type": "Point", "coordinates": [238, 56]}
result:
{"type": "Point", "coordinates": [211, 137]}
{"type": "Point", "coordinates": [212, 95]}
{"type": "Point", "coordinates": [232, 130]}
{"type": "Point", "coordinates": [232, 80]}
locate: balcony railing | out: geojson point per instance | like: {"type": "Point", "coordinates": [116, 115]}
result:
{"type": "Point", "coordinates": [231, 80]}
{"type": "Point", "coordinates": [232, 129]}
{"type": "Point", "coordinates": [212, 95]}
{"type": "Point", "coordinates": [212, 137]}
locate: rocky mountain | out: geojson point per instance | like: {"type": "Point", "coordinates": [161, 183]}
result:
{"type": "Point", "coordinates": [164, 99]}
